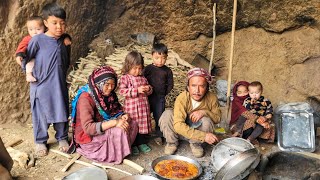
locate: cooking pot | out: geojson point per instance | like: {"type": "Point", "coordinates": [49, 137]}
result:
{"type": "Point", "coordinates": [139, 177]}
{"type": "Point", "coordinates": [175, 157]}
{"type": "Point", "coordinates": [234, 158]}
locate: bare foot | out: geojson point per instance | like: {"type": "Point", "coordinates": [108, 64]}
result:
{"type": "Point", "coordinates": [41, 150]}
{"type": "Point", "coordinates": [236, 134]}
{"type": "Point", "coordinates": [255, 142]}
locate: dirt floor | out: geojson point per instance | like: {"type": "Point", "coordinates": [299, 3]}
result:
{"type": "Point", "coordinates": [49, 167]}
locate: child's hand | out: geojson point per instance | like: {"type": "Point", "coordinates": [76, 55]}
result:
{"type": "Point", "coordinates": [19, 60]}
{"type": "Point", "coordinates": [261, 120]}
{"type": "Point", "coordinates": [67, 41]}
{"type": "Point", "coordinates": [141, 89]}
{"type": "Point", "coordinates": [268, 116]}
{"type": "Point", "coordinates": [265, 125]}
{"type": "Point", "coordinates": [147, 88]}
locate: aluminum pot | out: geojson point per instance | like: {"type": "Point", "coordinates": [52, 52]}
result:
{"type": "Point", "coordinates": [234, 158]}
{"type": "Point", "coordinates": [176, 157]}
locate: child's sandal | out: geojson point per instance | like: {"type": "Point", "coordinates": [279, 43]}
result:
{"type": "Point", "coordinates": [135, 150]}
{"type": "Point", "coordinates": [144, 148]}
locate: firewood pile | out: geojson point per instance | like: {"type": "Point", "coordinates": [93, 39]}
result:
{"type": "Point", "coordinates": [79, 75]}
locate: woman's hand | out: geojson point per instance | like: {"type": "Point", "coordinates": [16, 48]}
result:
{"type": "Point", "coordinates": [125, 117]}
{"type": "Point", "coordinates": [123, 124]}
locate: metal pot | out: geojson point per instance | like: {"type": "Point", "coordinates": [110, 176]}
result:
{"type": "Point", "coordinates": [234, 158]}
{"type": "Point", "coordinates": [169, 157]}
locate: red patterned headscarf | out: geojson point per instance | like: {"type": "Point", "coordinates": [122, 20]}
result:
{"type": "Point", "coordinates": [237, 107]}
{"type": "Point", "coordinates": [199, 72]}
{"type": "Point", "coordinates": [108, 104]}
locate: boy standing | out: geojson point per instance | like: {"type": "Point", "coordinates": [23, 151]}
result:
{"type": "Point", "coordinates": [49, 94]}
{"type": "Point", "coordinates": [160, 77]}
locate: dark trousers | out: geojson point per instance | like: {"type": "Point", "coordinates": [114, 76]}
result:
{"type": "Point", "coordinates": [157, 107]}
{"type": "Point", "coordinates": [240, 123]}
{"type": "Point", "coordinates": [251, 133]}
{"type": "Point", "coordinates": [40, 126]}
{"type": "Point", "coordinates": [140, 139]}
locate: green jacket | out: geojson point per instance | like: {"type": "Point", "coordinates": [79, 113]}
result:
{"type": "Point", "coordinates": [183, 107]}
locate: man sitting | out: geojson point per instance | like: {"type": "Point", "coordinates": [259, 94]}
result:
{"type": "Point", "coordinates": [195, 112]}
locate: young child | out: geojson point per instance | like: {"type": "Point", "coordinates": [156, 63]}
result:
{"type": "Point", "coordinates": [160, 77]}
{"type": "Point", "coordinates": [35, 26]}
{"type": "Point", "coordinates": [49, 94]}
{"type": "Point", "coordinates": [135, 88]}
{"type": "Point", "coordinates": [259, 106]}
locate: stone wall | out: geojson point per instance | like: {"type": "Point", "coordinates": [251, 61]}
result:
{"type": "Point", "coordinates": [85, 19]}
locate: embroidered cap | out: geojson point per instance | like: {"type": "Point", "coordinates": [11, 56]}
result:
{"type": "Point", "coordinates": [199, 72]}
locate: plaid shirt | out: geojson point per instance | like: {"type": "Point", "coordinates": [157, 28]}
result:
{"type": "Point", "coordinates": [135, 104]}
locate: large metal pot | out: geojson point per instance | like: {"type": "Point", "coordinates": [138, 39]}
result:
{"type": "Point", "coordinates": [183, 158]}
{"type": "Point", "coordinates": [234, 158]}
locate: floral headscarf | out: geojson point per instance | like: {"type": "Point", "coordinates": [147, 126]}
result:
{"type": "Point", "coordinates": [110, 104]}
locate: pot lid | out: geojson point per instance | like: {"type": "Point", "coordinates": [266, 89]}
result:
{"type": "Point", "coordinates": [234, 158]}
{"type": "Point", "coordinates": [240, 166]}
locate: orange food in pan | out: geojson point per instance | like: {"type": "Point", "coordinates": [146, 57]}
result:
{"type": "Point", "coordinates": [176, 169]}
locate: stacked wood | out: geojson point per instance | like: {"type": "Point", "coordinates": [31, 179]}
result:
{"type": "Point", "coordinates": [79, 76]}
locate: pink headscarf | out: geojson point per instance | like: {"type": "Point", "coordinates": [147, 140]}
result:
{"type": "Point", "coordinates": [199, 72]}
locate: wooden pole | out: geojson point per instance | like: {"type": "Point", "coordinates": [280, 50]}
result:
{"type": "Point", "coordinates": [234, 17]}
{"type": "Point", "coordinates": [213, 35]}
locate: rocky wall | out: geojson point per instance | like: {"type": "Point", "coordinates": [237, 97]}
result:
{"type": "Point", "coordinates": [276, 42]}
{"type": "Point", "coordinates": [85, 19]}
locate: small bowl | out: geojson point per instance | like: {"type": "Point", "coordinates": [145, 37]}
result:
{"type": "Point", "coordinates": [176, 157]}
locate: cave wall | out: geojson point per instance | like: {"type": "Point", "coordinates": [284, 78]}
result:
{"type": "Point", "coordinates": [276, 42]}
{"type": "Point", "coordinates": [85, 19]}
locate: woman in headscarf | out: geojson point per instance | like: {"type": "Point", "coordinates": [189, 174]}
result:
{"type": "Point", "coordinates": [240, 113]}
{"type": "Point", "coordinates": [102, 131]}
